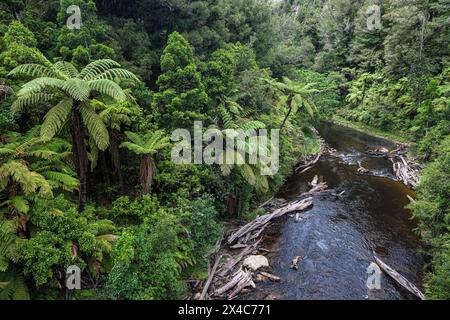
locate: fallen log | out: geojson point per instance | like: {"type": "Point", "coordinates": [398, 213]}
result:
{"type": "Point", "coordinates": [232, 283]}
{"type": "Point", "coordinates": [228, 267]}
{"type": "Point", "coordinates": [405, 283]}
{"type": "Point", "coordinates": [270, 276]}
{"type": "Point", "coordinates": [210, 278]}
{"type": "Point", "coordinates": [263, 220]}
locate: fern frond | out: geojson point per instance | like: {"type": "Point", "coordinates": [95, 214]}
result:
{"type": "Point", "coordinates": [34, 70]}
{"type": "Point", "coordinates": [134, 147]}
{"type": "Point", "coordinates": [61, 180]}
{"type": "Point", "coordinates": [66, 68]}
{"type": "Point", "coordinates": [95, 126]}
{"type": "Point", "coordinates": [30, 182]}
{"type": "Point", "coordinates": [248, 174]}
{"type": "Point", "coordinates": [40, 84]}
{"type": "Point", "coordinates": [310, 106]}
{"type": "Point", "coordinates": [29, 100]}
{"type": "Point", "coordinates": [117, 73]}
{"type": "Point", "coordinates": [135, 138]}
{"type": "Point", "coordinates": [97, 67]}
{"type": "Point", "coordinates": [77, 89]}
{"type": "Point", "coordinates": [109, 88]}
{"type": "Point", "coordinates": [55, 119]}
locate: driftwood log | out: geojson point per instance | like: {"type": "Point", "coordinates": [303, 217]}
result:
{"type": "Point", "coordinates": [405, 168]}
{"type": "Point", "coordinates": [260, 222]}
{"type": "Point", "coordinates": [211, 275]}
{"type": "Point", "coordinates": [405, 283]}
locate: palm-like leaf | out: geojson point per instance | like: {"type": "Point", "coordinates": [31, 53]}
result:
{"type": "Point", "coordinates": [55, 119]}
{"type": "Point", "coordinates": [97, 67]}
{"type": "Point", "coordinates": [95, 126]}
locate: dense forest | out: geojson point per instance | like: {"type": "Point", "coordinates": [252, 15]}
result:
{"type": "Point", "coordinates": [87, 113]}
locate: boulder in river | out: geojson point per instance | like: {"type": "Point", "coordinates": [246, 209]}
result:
{"type": "Point", "coordinates": [256, 262]}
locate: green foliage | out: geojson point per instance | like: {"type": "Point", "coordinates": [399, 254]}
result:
{"type": "Point", "coordinates": [433, 212]}
{"type": "Point", "coordinates": [62, 238]}
{"type": "Point", "coordinates": [147, 260]}
{"type": "Point", "coordinates": [205, 228]}
{"type": "Point", "coordinates": [181, 98]}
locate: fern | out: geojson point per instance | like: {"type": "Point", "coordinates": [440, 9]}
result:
{"type": "Point", "coordinates": [15, 288]}
{"type": "Point", "coordinates": [30, 99]}
{"type": "Point", "coordinates": [77, 89]}
{"type": "Point", "coordinates": [95, 126]}
{"type": "Point", "coordinates": [55, 119]}
{"type": "Point", "coordinates": [97, 67]}
{"type": "Point", "coordinates": [117, 73]}
{"type": "Point", "coordinates": [39, 84]}
{"type": "Point", "coordinates": [109, 88]}
{"type": "Point", "coordinates": [66, 68]}
{"type": "Point", "coordinates": [34, 70]}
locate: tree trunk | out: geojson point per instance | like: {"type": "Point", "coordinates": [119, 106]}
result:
{"type": "Point", "coordinates": [288, 114]}
{"type": "Point", "coordinates": [80, 155]}
{"type": "Point", "coordinates": [115, 156]}
{"type": "Point", "coordinates": [147, 172]}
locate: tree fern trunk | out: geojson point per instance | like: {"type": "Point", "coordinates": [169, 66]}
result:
{"type": "Point", "coordinates": [288, 114]}
{"type": "Point", "coordinates": [145, 173]}
{"type": "Point", "coordinates": [115, 156]}
{"type": "Point", "coordinates": [80, 155]}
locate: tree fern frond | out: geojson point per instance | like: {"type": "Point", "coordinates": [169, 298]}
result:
{"type": "Point", "coordinates": [135, 138]}
{"type": "Point", "coordinates": [95, 126]}
{"type": "Point", "coordinates": [97, 67]}
{"type": "Point", "coordinates": [66, 68]}
{"type": "Point", "coordinates": [310, 106]}
{"type": "Point", "coordinates": [30, 182]}
{"type": "Point", "coordinates": [109, 88]}
{"type": "Point", "coordinates": [55, 119]}
{"type": "Point", "coordinates": [134, 147]}
{"type": "Point", "coordinates": [30, 99]}
{"type": "Point", "coordinates": [34, 70]}
{"type": "Point", "coordinates": [61, 180]}
{"type": "Point", "coordinates": [117, 73]}
{"type": "Point", "coordinates": [248, 174]}
{"type": "Point", "coordinates": [40, 84]}
{"type": "Point", "coordinates": [77, 89]}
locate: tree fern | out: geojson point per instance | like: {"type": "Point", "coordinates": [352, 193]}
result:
{"type": "Point", "coordinates": [76, 90]}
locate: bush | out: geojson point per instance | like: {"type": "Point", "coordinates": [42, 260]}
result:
{"type": "Point", "coordinates": [147, 260]}
{"type": "Point", "coordinates": [204, 227]}
{"type": "Point", "coordinates": [433, 212]}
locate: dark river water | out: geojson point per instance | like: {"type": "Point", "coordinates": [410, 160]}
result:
{"type": "Point", "coordinates": [337, 236]}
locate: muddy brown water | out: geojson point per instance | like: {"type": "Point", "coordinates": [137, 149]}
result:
{"type": "Point", "coordinates": [337, 236]}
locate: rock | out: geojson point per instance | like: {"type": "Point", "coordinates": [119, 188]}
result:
{"type": "Point", "coordinates": [256, 262]}
{"type": "Point", "coordinates": [295, 262]}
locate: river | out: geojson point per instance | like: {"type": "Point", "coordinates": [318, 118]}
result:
{"type": "Point", "coordinates": [336, 238]}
